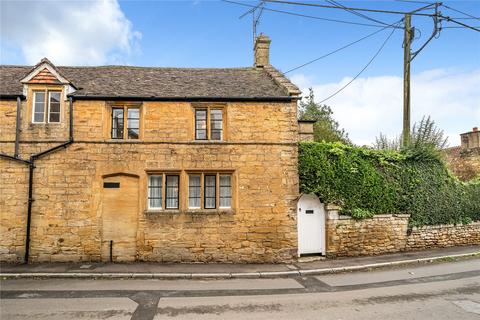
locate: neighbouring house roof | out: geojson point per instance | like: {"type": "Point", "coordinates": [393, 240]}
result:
{"type": "Point", "coordinates": [125, 82]}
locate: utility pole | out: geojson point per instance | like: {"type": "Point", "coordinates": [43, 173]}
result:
{"type": "Point", "coordinates": [408, 36]}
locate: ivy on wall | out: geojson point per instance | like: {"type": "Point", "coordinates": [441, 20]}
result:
{"type": "Point", "coordinates": [364, 182]}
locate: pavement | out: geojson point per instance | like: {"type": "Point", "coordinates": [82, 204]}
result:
{"type": "Point", "coordinates": [304, 267]}
{"type": "Point", "coordinates": [441, 291]}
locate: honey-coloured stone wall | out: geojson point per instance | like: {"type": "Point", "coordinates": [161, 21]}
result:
{"type": "Point", "coordinates": [260, 150]}
{"type": "Point", "coordinates": [386, 233]}
{"type": "Point", "coordinates": [347, 237]}
{"type": "Point", "coordinates": [442, 236]}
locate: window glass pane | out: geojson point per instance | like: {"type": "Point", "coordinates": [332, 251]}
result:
{"type": "Point", "coordinates": [225, 191]}
{"type": "Point", "coordinates": [172, 195]}
{"type": "Point", "coordinates": [117, 123]}
{"type": "Point", "coordinates": [216, 135]}
{"type": "Point", "coordinates": [133, 123]}
{"type": "Point", "coordinates": [155, 192]}
{"type": "Point", "coordinates": [216, 114]}
{"type": "Point", "coordinates": [194, 191]}
{"type": "Point", "coordinates": [133, 113]}
{"type": "Point", "coordinates": [39, 107]}
{"type": "Point", "coordinates": [38, 117]}
{"type": "Point", "coordinates": [54, 107]}
{"type": "Point", "coordinates": [200, 124]}
{"type": "Point", "coordinates": [54, 117]}
{"type": "Point", "coordinates": [210, 191]}
{"type": "Point", "coordinates": [216, 124]}
{"type": "Point", "coordinates": [40, 97]}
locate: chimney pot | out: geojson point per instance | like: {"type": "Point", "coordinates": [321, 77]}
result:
{"type": "Point", "coordinates": [262, 51]}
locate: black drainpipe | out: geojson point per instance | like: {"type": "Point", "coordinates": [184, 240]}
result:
{"type": "Point", "coordinates": [31, 165]}
{"type": "Point", "coordinates": [17, 129]}
{"type": "Point", "coordinates": [30, 177]}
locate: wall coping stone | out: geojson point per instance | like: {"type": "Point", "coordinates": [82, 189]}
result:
{"type": "Point", "coordinates": [382, 216]}
{"type": "Point", "coordinates": [331, 206]}
{"type": "Point", "coordinates": [443, 226]}
{"type": "Point", "coordinates": [377, 216]}
{"type": "Point", "coordinates": [402, 215]}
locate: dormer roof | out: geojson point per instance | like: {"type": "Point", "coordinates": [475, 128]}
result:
{"type": "Point", "coordinates": [45, 72]}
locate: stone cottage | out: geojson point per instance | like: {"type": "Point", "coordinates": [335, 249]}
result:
{"type": "Point", "coordinates": [121, 163]}
{"type": "Point", "coordinates": [464, 160]}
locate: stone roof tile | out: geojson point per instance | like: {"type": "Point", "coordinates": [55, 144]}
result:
{"type": "Point", "coordinates": [128, 81]}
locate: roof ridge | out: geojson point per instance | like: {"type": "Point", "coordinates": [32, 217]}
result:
{"type": "Point", "coordinates": [135, 67]}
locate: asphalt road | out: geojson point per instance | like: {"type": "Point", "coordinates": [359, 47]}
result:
{"type": "Point", "coordinates": [439, 291]}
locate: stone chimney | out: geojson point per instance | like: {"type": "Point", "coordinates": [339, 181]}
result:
{"type": "Point", "coordinates": [305, 130]}
{"type": "Point", "coordinates": [471, 140]}
{"type": "Point", "coordinates": [262, 51]}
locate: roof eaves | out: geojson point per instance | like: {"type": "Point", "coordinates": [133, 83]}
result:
{"type": "Point", "coordinates": [186, 98]}
{"type": "Point", "coordinates": [11, 96]}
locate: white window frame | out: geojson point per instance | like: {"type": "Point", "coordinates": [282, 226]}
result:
{"type": "Point", "coordinates": [199, 175]}
{"type": "Point", "coordinates": [46, 106]}
{"type": "Point", "coordinates": [217, 190]}
{"type": "Point", "coordinates": [60, 107]}
{"type": "Point", "coordinates": [220, 190]}
{"type": "Point", "coordinates": [33, 106]}
{"type": "Point", "coordinates": [161, 192]}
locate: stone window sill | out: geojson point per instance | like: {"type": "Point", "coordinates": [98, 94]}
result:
{"type": "Point", "coordinates": [192, 211]}
{"type": "Point", "coordinates": [167, 211]}
{"type": "Point", "coordinates": [124, 140]}
{"type": "Point", "coordinates": [210, 211]}
{"type": "Point", "coordinates": [209, 141]}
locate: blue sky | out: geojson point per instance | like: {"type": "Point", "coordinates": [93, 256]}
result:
{"type": "Point", "coordinates": [210, 34]}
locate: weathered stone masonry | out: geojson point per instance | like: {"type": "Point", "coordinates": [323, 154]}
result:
{"type": "Point", "coordinates": [66, 224]}
{"type": "Point", "coordinates": [390, 233]}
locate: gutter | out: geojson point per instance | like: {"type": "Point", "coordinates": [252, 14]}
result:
{"type": "Point", "coordinates": [12, 96]}
{"type": "Point", "coordinates": [188, 99]}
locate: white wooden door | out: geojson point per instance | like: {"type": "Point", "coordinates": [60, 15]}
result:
{"type": "Point", "coordinates": [311, 225]}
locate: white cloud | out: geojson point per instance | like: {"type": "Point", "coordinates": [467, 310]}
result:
{"type": "Point", "coordinates": [69, 32]}
{"type": "Point", "coordinates": [374, 104]}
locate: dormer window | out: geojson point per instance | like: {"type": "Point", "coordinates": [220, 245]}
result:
{"type": "Point", "coordinates": [46, 106]}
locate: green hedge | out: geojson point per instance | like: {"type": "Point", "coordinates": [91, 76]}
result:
{"type": "Point", "coordinates": [363, 180]}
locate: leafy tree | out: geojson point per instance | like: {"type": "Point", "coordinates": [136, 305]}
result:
{"type": "Point", "coordinates": [325, 128]}
{"type": "Point", "coordinates": [426, 139]}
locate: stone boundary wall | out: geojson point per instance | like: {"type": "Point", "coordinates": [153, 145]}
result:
{"type": "Point", "coordinates": [347, 237]}
{"type": "Point", "coordinates": [387, 233]}
{"type": "Point", "coordinates": [443, 236]}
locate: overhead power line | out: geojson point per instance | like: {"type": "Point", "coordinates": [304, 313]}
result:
{"type": "Point", "coordinates": [411, 1]}
{"type": "Point", "coordinates": [458, 27]}
{"type": "Point", "coordinates": [344, 47]}
{"type": "Point", "coordinates": [414, 12]}
{"type": "Point", "coordinates": [361, 71]}
{"type": "Point", "coordinates": [304, 15]}
{"type": "Point", "coordinates": [335, 3]}
{"type": "Point", "coordinates": [464, 13]}
{"type": "Point", "coordinates": [459, 23]}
